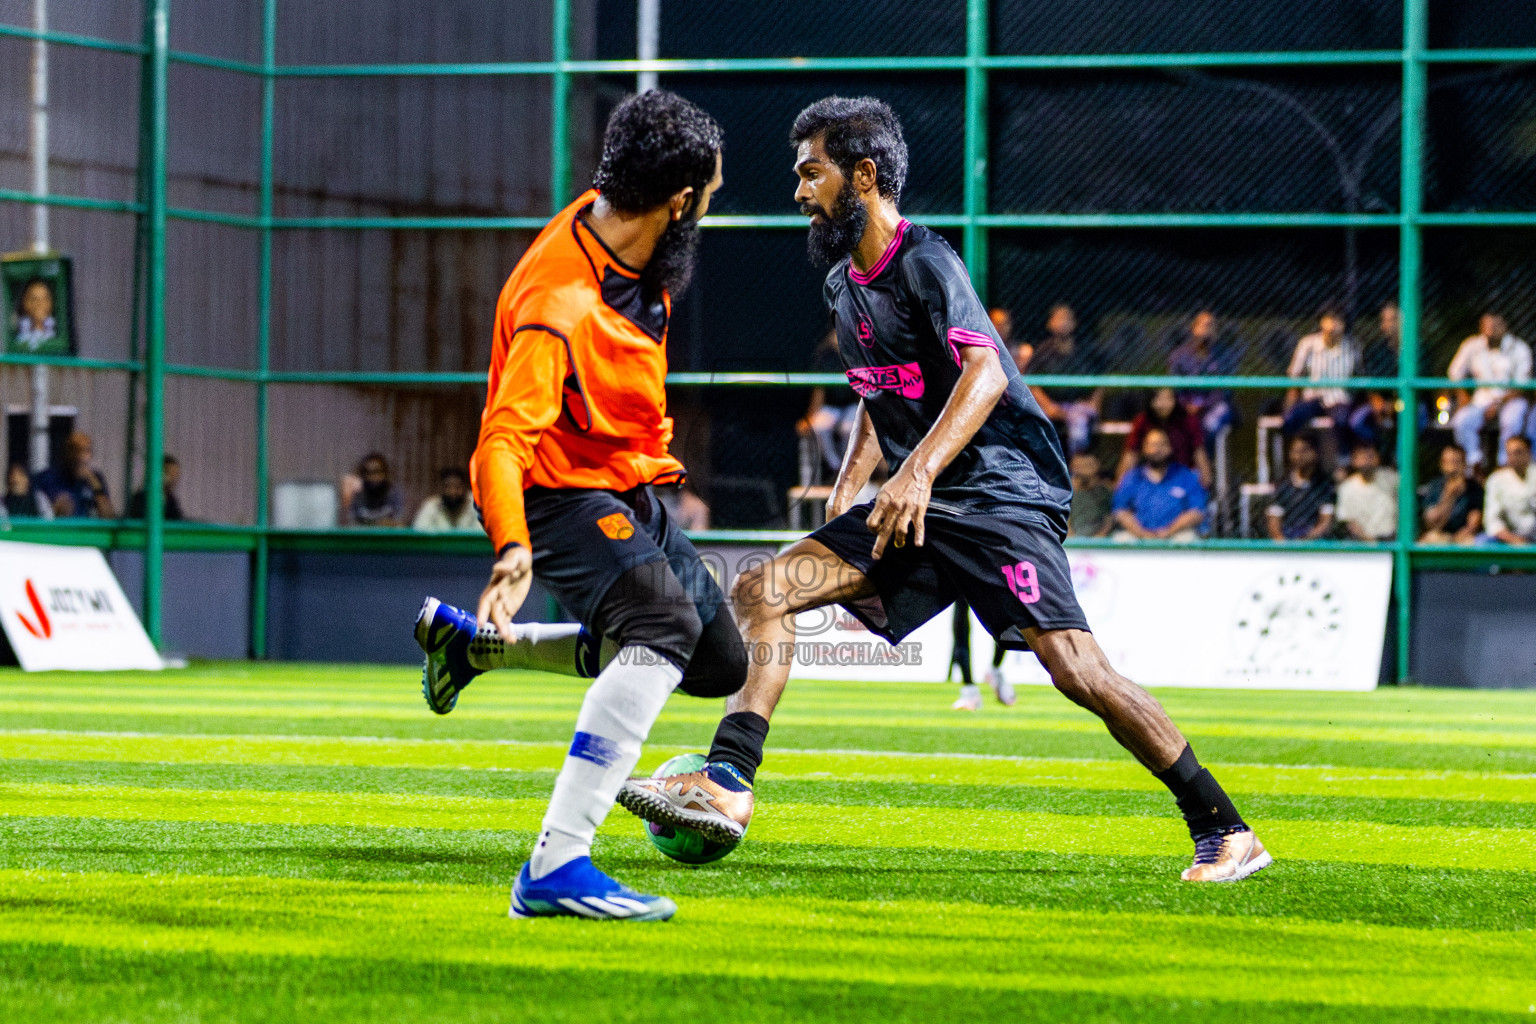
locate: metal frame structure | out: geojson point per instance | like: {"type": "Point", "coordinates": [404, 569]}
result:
{"type": "Point", "coordinates": [154, 536]}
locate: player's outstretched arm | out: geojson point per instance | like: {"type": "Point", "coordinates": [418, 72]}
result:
{"type": "Point", "coordinates": [511, 577]}
{"type": "Point", "coordinates": [859, 462]}
{"type": "Point", "coordinates": [902, 503]}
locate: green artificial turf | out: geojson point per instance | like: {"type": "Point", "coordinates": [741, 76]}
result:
{"type": "Point", "coordinates": [294, 842]}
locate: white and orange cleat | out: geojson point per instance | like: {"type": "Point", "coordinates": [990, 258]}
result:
{"type": "Point", "coordinates": [970, 698]}
{"type": "Point", "coordinates": [715, 802]}
{"type": "Point", "coordinates": [1227, 855]}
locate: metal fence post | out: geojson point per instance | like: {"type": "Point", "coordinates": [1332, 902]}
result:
{"type": "Point", "coordinates": [159, 15]}
{"type": "Point", "coordinates": [976, 127]}
{"type": "Point", "coordinates": [261, 553]}
{"type": "Point", "coordinates": [1415, 87]}
{"type": "Point", "coordinates": [560, 103]}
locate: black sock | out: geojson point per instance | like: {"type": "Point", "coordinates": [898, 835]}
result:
{"type": "Point", "coordinates": [739, 740]}
{"type": "Point", "coordinates": [1204, 804]}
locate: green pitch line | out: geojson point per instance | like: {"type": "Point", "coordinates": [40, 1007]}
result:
{"type": "Point", "coordinates": [964, 948]}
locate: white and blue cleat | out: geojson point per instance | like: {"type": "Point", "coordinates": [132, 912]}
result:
{"type": "Point", "coordinates": [578, 889]}
{"type": "Point", "coordinates": [443, 632]}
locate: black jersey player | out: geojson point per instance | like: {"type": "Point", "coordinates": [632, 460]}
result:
{"type": "Point", "coordinates": [975, 507]}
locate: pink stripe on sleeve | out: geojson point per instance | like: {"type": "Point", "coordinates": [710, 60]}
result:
{"type": "Point", "coordinates": [958, 336]}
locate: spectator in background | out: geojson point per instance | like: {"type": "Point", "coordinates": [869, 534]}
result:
{"type": "Point", "coordinates": [1164, 412]}
{"type": "Point", "coordinates": [1452, 503]}
{"type": "Point", "coordinates": [1092, 501]}
{"type": "Point", "coordinates": [1492, 357]}
{"type": "Point", "coordinates": [1367, 506]}
{"type": "Point", "coordinates": [1075, 410]}
{"type": "Point", "coordinates": [77, 488]}
{"type": "Point", "coordinates": [1304, 502]}
{"type": "Point", "coordinates": [686, 509]}
{"type": "Point", "coordinates": [833, 411]}
{"type": "Point", "coordinates": [22, 500]}
{"type": "Point", "coordinates": [1379, 358]}
{"type": "Point", "coordinates": [1326, 355]}
{"type": "Point", "coordinates": [378, 502]}
{"type": "Point", "coordinates": [1509, 499]}
{"type": "Point", "coordinates": [449, 510]}
{"type": "Point", "coordinates": [1002, 322]}
{"type": "Point", "coordinates": [170, 476]}
{"type": "Point", "coordinates": [1159, 499]}
{"type": "Point", "coordinates": [1199, 355]}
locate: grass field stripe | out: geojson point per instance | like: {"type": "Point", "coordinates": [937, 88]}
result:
{"type": "Point", "coordinates": [852, 826]}
{"type": "Point", "coordinates": [963, 947]}
{"type": "Point", "coordinates": [941, 769]}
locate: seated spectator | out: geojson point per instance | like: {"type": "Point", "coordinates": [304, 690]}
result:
{"type": "Point", "coordinates": [1002, 322]}
{"type": "Point", "coordinates": [22, 500]}
{"type": "Point", "coordinates": [1075, 410]}
{"type": "Point", "coordinates": [170, 476]}
{"type": "Point", "coordinates": [1452, 503]}
{"type": "Point", "coordinates": [76, 488]}
{"type": "Point", "coordinates": [378, 502]}
{"type": "Point", "coordinates": [686, 509]}
{"type": "Point", "coordinates": [1509, 499]}
{"type": "Point", "coordinates": [449, 510]}
{"type": "Point", "coordinates": [1379, 357]}
{"type": "Point", "coordinates": [1092, 501]}
{"type": "Point", "coordinates": [833, 411]}
{"type": "Point", "coordinates": [1326, 355]}
{"type": "Point", "coordinates": [1367, 506]}
{"type": "Point", "coordinates": [1200, 355]}
{"type": "Point", "coordinates": [1304, 502]}
{"type": "Point", "coordinates": [1165, 412]}
{"type": "Point", "coordinates": [1159, 499]}
{"type": "Point", "coordinates": [1492, 357]}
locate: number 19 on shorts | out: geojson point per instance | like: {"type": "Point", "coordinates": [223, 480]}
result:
{"type": "Point", "coordinates": [1023, 581]}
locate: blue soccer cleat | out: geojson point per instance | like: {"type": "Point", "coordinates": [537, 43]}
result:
{"type": "Point", "coordinates": [578, 889]}
{"type": "Point", "coordinates": [443, 633]}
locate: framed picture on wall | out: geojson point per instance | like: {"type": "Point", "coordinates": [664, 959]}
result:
{"type": "Point", "coordinates": [39, 314]}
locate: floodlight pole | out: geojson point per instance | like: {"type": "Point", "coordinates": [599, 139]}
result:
{"type": "Point", "coordinates": [647, 40]}
{"type": "Point", "coordinates": [38, 449]}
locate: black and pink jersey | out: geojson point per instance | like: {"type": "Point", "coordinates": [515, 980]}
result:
{"type": "Point", "coordinates": [900, 329]}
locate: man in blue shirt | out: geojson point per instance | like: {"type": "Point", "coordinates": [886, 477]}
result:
{"type": "Point", "coordinates": [1159, 499]}
{"type": "Point", "coordinates": [77, 488]}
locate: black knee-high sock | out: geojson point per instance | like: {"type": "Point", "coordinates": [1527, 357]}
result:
{"type": "Point", "coordinates": [1204, 804]}
{"type": "Point", "coordinates": [739, 740]}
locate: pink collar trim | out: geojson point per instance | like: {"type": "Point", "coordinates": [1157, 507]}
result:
{"type": "Point", "coordinates": [885, 257]}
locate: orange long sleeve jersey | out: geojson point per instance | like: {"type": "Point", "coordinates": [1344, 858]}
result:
{"type": "Point", "coordinates": [577, 391]}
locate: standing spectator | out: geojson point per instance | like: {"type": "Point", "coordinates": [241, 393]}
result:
{"type": "Point", "coordinates": [77, 488]}
{"type": "Point", "coordinates": [1326, 355]}
{"type": "Point", "coordinates": [1164, 412]}
{"type": "Point", "coordinates": [1492, 357]}
{"type": "Point", "coordinates": [1092, 500]}
{"type": "Point", "coordinates": [1452, 503]}
{"type": "Point", "coordinates": [1509, 501]}
{"type": "Point", "coordinates": [1059, 352]}
{"type": "Point", "coordinates": [833, 411]}
{"type": "Point", "coordinates": [1379, 357]}
{"type": "Point", "coordinates": [1200, 355]}
{"type": "Point", "coordinates": [1159, 499]}
{"type": "Point", "coordinates": [378, 502]}
{"type": "Point", "coordinates": [22, 500]}
{"type": "Point", "coordinates": [449, 510]}
{"type": "Point", "coordinates": [1368, 496]}
{"type": "Point", "coordinates": [1304, 502]}
{"type": "Point", "coordinates": [1002, 322]}
{"type": "Point", "coordinates": [170, 476]}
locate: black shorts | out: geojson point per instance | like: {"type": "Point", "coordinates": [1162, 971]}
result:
{"type": "Point", "coordinates": [584, 540]}
{"type": "Point", "coordinates": [1013, 572]}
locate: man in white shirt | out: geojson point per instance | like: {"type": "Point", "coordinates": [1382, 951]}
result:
{"type": "Point", "coordinates": [449, 510]}
{"type": "Point", "coordinates": [1509, 497]}
{"type": "Point", "coordinates": [1327, 355]}
{"type": "Point", "coordinates": [1491, 358]}
{"type": "Point", "coordinates": [1368, 498]}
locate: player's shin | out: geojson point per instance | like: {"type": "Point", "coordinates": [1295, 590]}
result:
{"type": "Point", "coordinates": [739, 742]}
{"type": "Point", "coordinates": [617, 714]}
{"type": "Point", "coordinates": [565, 648]}
{"type": "Point", "coordinates": [1204, 804]}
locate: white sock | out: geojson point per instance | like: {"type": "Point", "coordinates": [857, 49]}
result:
{"type": "Point", "coordinates": [616, 716]}
{"type": "Point", "coordinates": [543, 646]}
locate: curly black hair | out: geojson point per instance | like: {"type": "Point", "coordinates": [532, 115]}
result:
{"type": "Point", "coordinates": [857, 129]}
{"type": "Point", "coordinates": [656, 145]}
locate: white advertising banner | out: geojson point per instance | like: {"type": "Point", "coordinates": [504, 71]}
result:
{"type": "Point", "coordinates": [1239, 619]}
{"type": "Point", "coordinates": [63, 609]}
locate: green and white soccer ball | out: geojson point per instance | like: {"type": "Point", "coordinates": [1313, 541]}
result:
{"type": "Point", "coordinates": [682, 844]}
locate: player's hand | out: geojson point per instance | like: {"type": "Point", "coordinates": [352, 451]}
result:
{"type": "Point", "coordinates": [900, 508]}
{"type": "Point", "coordinates": [511, 577]}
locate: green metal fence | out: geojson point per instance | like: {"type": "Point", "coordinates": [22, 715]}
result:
{"type": "Point", "coordinates": [154, 536]}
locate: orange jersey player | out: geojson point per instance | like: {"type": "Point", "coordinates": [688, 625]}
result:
{"type": "Point", "coordinates": [575, 434]}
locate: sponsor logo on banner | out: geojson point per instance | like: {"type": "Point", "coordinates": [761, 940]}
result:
{"type": "Point", "coordinates": [62, 608]}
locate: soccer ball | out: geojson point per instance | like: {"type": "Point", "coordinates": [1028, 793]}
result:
{"type": "Point", "coordinates": [683, 844]}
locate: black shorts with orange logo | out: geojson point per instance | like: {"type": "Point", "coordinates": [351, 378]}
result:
{"type": "Point", "coordinates": [1011, 570]}
{"type": "Point", "coordinates": [584, 540]}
